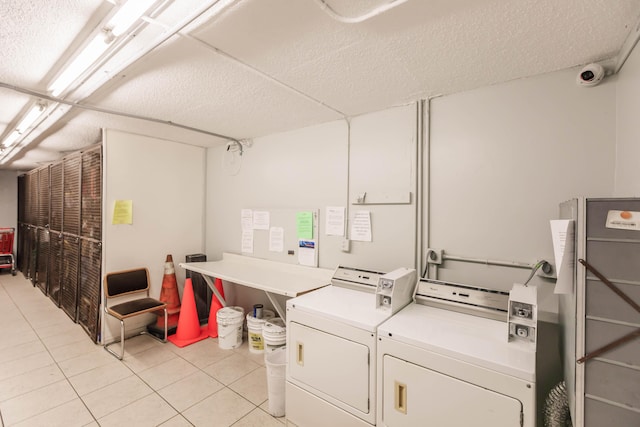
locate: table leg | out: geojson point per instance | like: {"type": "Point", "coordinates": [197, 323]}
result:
{"type": "Point", "coordinates": [276, 306]}
{"type": "Point", "coordinates": [209, 283]}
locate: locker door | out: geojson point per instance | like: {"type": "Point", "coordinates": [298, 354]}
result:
{"type": "Point", "coordinates": [330, 364]}
{"type": "Point", "coordinates": [417, 396]}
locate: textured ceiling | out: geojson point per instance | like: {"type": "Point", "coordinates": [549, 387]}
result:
{"type": "Point", "coordinates": [265, 66]}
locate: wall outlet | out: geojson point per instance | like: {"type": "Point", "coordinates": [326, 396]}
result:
{"type": "Point", "coordinates": [346, 245]}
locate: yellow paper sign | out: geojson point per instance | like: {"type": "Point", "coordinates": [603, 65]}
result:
{"type": "Point", "coordinates": [123, 212]}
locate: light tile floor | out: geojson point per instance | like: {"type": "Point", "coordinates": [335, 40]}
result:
{"type": "Point", "coordinates": [51, 374]}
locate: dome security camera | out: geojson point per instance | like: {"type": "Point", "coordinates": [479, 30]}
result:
{"type": "Point", "coordinates": [590, 75]}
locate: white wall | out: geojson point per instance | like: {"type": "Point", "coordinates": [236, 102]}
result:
{"type": "Point", "coordinates": [313, 168]}
{"type": "Point", "coordinates": [501, 160]}
{"type": "Point", "coordinates": [383, 164]}
{"type": "Point", "coordinates": [318, 167]}
{"type": "Point", "coordinates": [283, 171]}
{"type": "Point", "coordinates": [627, 182]}
{"type": "Point", "coordinates": [165, 180]}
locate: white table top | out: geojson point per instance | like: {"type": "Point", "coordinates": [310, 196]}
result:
{"type": "Point", "coordinates": [270, 276]}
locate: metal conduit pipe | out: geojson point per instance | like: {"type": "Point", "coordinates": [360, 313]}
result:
{"type": "Point", "coordinates": [513, 264]}
{"type": "Point", "coordinates": [627, 47]}
{"type": "Point", "coordinates": [358, 19]}
{"type": "Point", "coordinates": [175, 30]}
{"type": "Point", "coordinates": [46, 97]}
{"type": "Point", "coordinates": [420, 128]}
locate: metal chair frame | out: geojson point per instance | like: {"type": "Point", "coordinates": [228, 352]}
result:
{"type": "Point", "coordinates": [130, 283]}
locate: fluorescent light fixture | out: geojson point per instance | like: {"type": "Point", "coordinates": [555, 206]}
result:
{"type": "Point", "coordinates": [128, 14]}
{"type": "Point", "coordinates": [11, 139]}
{"type": "Point", "coordinates": [83, 61]}
{"type": "Point", "coordinates": [28, 120]}
{"type": "Point", "coordinates": [33, 114]}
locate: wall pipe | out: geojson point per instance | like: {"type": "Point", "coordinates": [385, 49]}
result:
{"type": "Point", "coordinates": [76, 104]}
{"type": "Point", "coordinates": [419, 184]}
{"type": "Point", "coordinates": [627, 47]}
{"type": "Point", "coordinates": [175, 30]}
{"type": "Point", "coordinates": [358, 19]}
{"type": "Point", "coordinates": [547, 268]}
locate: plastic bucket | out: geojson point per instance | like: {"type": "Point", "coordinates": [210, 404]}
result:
{"type": "Point", "coordinates": [254, 328]}
{"type": "Point", "coordinates": [230, 320]}
{"type": "Point", "coordinates": [276, 362]}
{"type": "Point", "coordinates": [274, 334]}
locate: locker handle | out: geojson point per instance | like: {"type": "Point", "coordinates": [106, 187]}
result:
{"type": "Point", "coordinates": [300, 355]}
{"type": "Point", "coordinates": [401, 397]}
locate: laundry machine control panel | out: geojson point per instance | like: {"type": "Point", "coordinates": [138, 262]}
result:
{"type": "Point", "coordinates": [395, 289]}
{"type": "Point", "coordinates": [523, 314]}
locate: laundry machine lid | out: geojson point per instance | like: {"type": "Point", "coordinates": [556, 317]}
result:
{"type": "Point", "coordinates": [349, 306]}
{"type": "Point", "coordinates": [464, 337]}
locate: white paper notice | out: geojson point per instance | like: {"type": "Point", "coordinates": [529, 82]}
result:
{"type": "Point", "coordinates": [246, 219]}
{"type": "Point", "coordinates": [623, 220]}
{"type": "Point", "coordinates": [361, 226]}
{"type": "Point", "coordinates": [562, 233]}
{"type": "Point", "coordinates": [334, 225]}
{"type": "Point", "coordinates": [260, 220]}
{"type": "Point", "coordinates": [276, 239]}
{"type": "Point", "coordinates": [247, 241]}
{"type": "Point", "coordinates": [307, 252]}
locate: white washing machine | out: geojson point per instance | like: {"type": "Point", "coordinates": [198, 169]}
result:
{"type": "Point", "coordinates": [331, 342]}
{"type": "Point", "coordinates": [445, 361]}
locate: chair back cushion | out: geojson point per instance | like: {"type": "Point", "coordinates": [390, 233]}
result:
{"type": "Point", "coordinates": [125, 282]}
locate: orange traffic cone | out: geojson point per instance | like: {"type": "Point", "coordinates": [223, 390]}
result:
{"type": "Point", "coordinates": [189, 330]}
{"type": "Point", "coordinates": [213, 317]}
{"type": "Point", "coordinates": [169, 294]}
{"type": "Point", "coordinates": [213, 311]}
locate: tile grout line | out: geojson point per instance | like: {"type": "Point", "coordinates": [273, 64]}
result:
{"type": "Point", "coordinates": [27, 293]}
{"type": "Point", "coordinates": [66, 378]}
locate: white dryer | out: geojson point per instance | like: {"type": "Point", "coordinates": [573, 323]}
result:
{"type": "Point", "coordinates": [331, 342]}
{"type": "Point", "coordinates": [445, 360]}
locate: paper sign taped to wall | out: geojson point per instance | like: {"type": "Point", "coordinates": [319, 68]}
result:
{"type": "Point", "coordinates": [261, 220]}
{"type": "Point", "coordinates": [123, 212]}
{"type": "Point", "coordinates": [246, 219]}
{"type": "Point", "coordinates": [304, 225]}
{"type": "Point", "coordinates": [562, 233]}
{"type": "Point", "coordinates": [623, 220]}
{"type": "Point", "coordinates": [276, 239]}
{"type": "Point", "coordinates": [247, 242]}
{"type": "Point", "coordinates": [334, 225]}
{"type": "Point", "coordinates": [307, 252]}
{"type": "Point", "coordinates": [361, 226]}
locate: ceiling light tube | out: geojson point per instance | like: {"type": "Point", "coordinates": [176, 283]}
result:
{"type": "Point", "coordinates": [128, 14]}
{"type": "Point", "coordinates": [11, 139]}
{"type": "Point", "coordinates": [80, 64]}
{"type": "Point", "coordinates": [28, 120]}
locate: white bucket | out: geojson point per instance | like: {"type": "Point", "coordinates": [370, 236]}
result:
{"type": "Point", "coordinates": [274, 334]}
{"type": "Point", "coordinates": [254, 328]}
{"type": "Point", "coordinates": [230, 320]}
{"type": "Point", "coordinates": [276, 362]}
